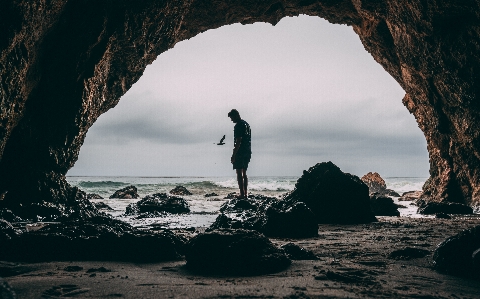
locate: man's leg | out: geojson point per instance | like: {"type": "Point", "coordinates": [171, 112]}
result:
{"type": "Point", "coordinates": [245, 182]}
{"type": "Point", "coordinates": [240, 182]}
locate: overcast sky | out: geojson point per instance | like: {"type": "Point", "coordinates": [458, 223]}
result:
{"type": "Point", "coordinates": [308, 89]}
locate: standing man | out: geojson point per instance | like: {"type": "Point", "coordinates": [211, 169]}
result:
{"type": "Point", "coordinates": [242, 152]}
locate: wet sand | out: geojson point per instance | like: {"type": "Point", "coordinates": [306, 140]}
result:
{"type": "Point", "coordinates": [353, 262]}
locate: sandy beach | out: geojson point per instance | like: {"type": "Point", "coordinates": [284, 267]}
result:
{"type": "Point", "coordinates": [355, 261]}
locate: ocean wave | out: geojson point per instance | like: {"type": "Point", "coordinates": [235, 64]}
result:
{"type": "Point", "coordinates": [101, 184]}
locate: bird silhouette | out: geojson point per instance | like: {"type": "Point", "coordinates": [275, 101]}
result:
{"type": "Point", "coordinates": [221, 141]}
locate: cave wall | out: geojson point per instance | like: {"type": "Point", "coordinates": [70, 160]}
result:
{"type": "Point", "coordinates": [65, 62]}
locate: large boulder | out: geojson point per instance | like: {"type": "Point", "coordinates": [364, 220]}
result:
{"type": "Point", "coordinates": [268, 215]}
{"type": "Point", "coordinates": [100, 238]}
{"type": "Point", "coordinates": [129, 192]}
{"type": "Point", "coordinates": [459, 254]}
{"type": "Point", "coordinates": [158, 203]}
{"type": "Point", "coordinates": [332, 195]}
{"type": "Point", "coordinates": [376, 184]}
{"type": "Point", "coordinates": [94, 196]}
{"type": "Point", "coordinates": [383, 205]}
{"type": "Point", "coordinates": [180, 190]}
{"type": "Point", "coordinates": [431, 208]}
{"type": "Point", "coordinates": [234, 252]}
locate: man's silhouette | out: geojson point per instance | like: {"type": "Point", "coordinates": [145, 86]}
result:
{"type": "Point", "coordinates": [242, 152]}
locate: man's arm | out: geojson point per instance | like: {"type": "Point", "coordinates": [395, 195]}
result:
{"type": "Point", "coordinates": [238, 141]}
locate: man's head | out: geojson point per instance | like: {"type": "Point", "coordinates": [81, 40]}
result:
{"type": "Point", "coordinates": [234, 115]}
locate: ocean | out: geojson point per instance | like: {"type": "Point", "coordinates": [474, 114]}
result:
{"type": "Point", "coordinates": [204, 210]}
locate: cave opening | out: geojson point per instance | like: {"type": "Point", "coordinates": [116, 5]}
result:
{"type": "Point", "coordinates": [308, 88]}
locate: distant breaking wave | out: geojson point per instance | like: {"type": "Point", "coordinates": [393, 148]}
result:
{"type": "Point", "coordinates": [101, 184]}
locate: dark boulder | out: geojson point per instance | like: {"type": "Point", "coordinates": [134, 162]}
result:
{"type": "Point", "coordinates": [296, 252]}
{"type": "Point", "coordinates": [333, 196]}
{"type": "Point", "coordinates": [159, 202]}
{"type": "Point", "coordinates": [442, 216]}
{"type": "Point", "coordinates": [268, 215]}
{"type": "Point", "coordinates": [383, 206]}
{"type": "Point", "coordinates": [93, 196]}
{"type": "Point", "coordinates": [296, 221]}
{"type": "Point", "coordinates": [377, 185]}
{"type": "Point", "coordinates": [234, 252]}
{"type": "Point", "coordinates": [431, 208]}
{"type": "Point", "coordinates": [129, 192]}
{"type": "Point", "coordinates": [458, 254]}
{"type": "Point", "coordinates": [180, 190]}
{"type": "Point", "coordinates": [100, 238]}
{"type": "Point", "coordinates": [102, 206]}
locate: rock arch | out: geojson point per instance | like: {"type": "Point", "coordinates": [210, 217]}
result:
{"type": "Point", "coordinates": [65, 62]}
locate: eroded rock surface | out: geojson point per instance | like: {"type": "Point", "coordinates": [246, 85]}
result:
{"type": "Point", "coordinates": [64, 63]}
{"type": "Point", "coordinates": [376, 184]}
{"type": "Point", "coordinates": [234, 251]}
{"type": "Point", "coordinates": [459, 254]}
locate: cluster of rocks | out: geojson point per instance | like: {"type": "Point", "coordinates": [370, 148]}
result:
{"type": "Point", "coordinates": [180, 190]}
{"type": "Point", "coordinates": [269, 216]}
{"type": "Point", "coordinates": [433, 208]}
{"type": "Point", "coordinates": [98, 238]}
{"type": "Point", "coordinates": [324, 194]}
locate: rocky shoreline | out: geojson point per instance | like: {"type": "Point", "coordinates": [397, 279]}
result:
{"type": "Point", "coordinates": [332, 221]}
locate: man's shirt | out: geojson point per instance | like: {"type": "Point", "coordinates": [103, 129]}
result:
{"type": "Point", "coordinates": [242, 129]}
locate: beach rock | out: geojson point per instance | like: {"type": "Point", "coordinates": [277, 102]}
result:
{"type": "Point", "coordinates": [234, 252]}
{"type": "Point", "coordinates": [458, 254]}
{"type": "Point", "coordinates": [476, 261]}
{"type": "Point", "coordinates": [93, 196]}
{"type": "Point", "coordinates": [180, 190]}
{"type": "Point", "coordinates": [383, 206]}
{"type": "Point", "coordinates": [411, 196]}
{"type": "Point", "coordinates": [333, 196]}
{"type": "Point", "coordinates": [295, 252]}
{"type": "Point", "coordinates": [431, 208]}
{"type": "Point", "coordinates": [6, 291]}
{"type": "Point", "coordinates": [377, 185]}
{"type": "Point", "coordinates": [129, 192]}
{"type": "Point", "coordinates": [211, 194]}
{"type": "Point", "coordinates": [102, 206]}
{"type": "Point", "coordinates": [100, 238]}
{"type": "Point", "coordinates": [159, 202]}
{"type": "Point", "coordinates": [268, 215]}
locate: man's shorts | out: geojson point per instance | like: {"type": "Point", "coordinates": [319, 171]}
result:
{"type": "Point", "coordinates": [241, 161]}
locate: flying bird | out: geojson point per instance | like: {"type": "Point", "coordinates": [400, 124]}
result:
{"type": "Point", "coordinates": [221, 141]}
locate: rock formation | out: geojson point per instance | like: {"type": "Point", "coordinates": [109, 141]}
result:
{"type": "Point", "coordinates": [332, 195]}
{"type": "Point", "coordinates": [63, 63]}
{"type": "Point", "coordinates": [180, 190]}
{"type": "Point", "coordinates": [129, 192]}
{"type": "Point", "coordinates": [158, 203]}
{"type": "Point", "coordinates": [377, 185]}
